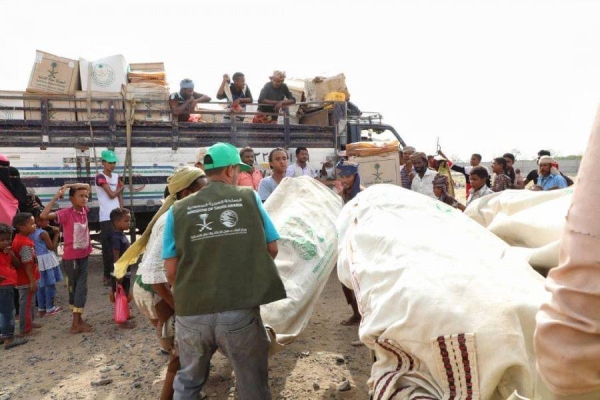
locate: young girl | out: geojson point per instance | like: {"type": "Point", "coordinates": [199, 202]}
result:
{"type": "Point", "coordinates": [48, 265]}
{"type": "Point", "coordinates": [502, 181]}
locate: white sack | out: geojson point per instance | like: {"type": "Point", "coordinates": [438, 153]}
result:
{"type": "Point", "coordinates": [429, 280]}
{"type": "Point", "coordinates": [304, 212]}
{"type": "Point", "coordinates": [532, 222]}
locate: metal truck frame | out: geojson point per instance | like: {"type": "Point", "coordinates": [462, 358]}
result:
{"type": "Point", "coordinates": [50, 153]}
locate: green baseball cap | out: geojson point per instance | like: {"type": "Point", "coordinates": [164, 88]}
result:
{"type": "Point", "coordinates": [223, 155]}
{"type": "Point", "coordinates": [109, 156]}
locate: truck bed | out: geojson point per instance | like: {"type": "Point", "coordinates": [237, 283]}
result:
{"type": "Point", "coordinates": [15, 133]}
{"type": "Point", "coordinates": [46, 132]}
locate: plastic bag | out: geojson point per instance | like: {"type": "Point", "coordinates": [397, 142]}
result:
{"type": "Point", "coordinates": [121, 305]}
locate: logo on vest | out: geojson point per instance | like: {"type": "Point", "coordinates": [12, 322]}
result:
{"type": "Point", "coordinates": [229, 218]}
{"type": "Point", "coordinates": [204, 225]}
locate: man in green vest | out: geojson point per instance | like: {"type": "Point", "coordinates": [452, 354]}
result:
{"type": "Point", "coordinates": [219, 245]}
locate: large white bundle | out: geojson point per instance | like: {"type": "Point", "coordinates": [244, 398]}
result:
{"type": "Point", "coordinates": [531, 222]}
{"type": "Point", "coordinates": [304, 212]}
{"type": "Point", "coordinates": [445, 313]}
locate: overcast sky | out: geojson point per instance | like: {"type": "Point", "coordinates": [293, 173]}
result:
{"type": "Point", "coordinates": [483, 76]}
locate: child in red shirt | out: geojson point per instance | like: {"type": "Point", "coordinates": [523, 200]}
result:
{"type": "Point", "coordinates": [27, 273]}
{"type": "Point", "coordinates": [8, 281]}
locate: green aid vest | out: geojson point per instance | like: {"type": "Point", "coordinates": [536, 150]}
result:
{"type": "Point", "coordinates": [223, 260]}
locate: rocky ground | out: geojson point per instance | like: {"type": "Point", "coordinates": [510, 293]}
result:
{"type": "Point", "coordinates": [112, 363]}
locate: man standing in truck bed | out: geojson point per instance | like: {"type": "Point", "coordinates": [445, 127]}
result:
{"type": "Point", "coordinates": [238, 94]}
{"type": "Point", "coordinates": [184, 101]}
{"type": "Point", "coordinates": [274, 96]}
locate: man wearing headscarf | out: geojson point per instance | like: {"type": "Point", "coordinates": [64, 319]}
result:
{"type": "Point", "coordinates": [9, 204]}
{"type": "Point", "coordinates": [349, 187]}
{"type": "Point", "coordinates": [422, 177]}
{"type": "Point", "coordinates": [151, 291]}
{"type": "Point", "coordinates": [349, 179]}
{"type": "Point", "coordinates": [549, 178]}
{"type": "Point", "coordinates": [406, 169]}
{"type": "Point", "coordinates": [184, 102]}
{"type": "Point", "coordinates": [440, 189]}
{"type": "Point", "coordinates": [274, 96]}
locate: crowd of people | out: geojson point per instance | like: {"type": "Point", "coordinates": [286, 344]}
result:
{"type": "Point", "coordinates": [227, 213]}
{"type": "Point", "coordinates": [430, 175]}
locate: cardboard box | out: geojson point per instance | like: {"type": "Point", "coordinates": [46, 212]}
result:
{"type": "Point", "coordinates": [32, 105]}
{"type": "Point", "coordinates": [378, 169]}
{"type": "Point", "coordinates": [320, 118]}
{"type": "Point", "coordinates": [319, 87]}
{"type": "Point", "coordinates": [16, 100]}
{"type": "Point", "coordinates": [151, 101]}
{"type": "Point", "coordinates": [211, 117]}
{"type": "Point", "coordinates": [53, 74]}
{"type": "Point", "coordinates": [99, 102]}
{"type": "Point", "coordinates": [106, 74]}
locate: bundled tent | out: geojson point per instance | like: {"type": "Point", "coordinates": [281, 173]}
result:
{"type": "Point", "coordinates": [443, 323]}
{"type": "Point", "coordinates": [304, 212]}
{"type": "Point", "coordinates": [147, 73]}
{"type": "Point", "coordinates": [531, 222]}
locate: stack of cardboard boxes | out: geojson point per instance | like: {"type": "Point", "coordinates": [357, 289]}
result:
{"type": "Point", "coordinates": [377, 162]}
{"type": "Point", "coordinates": [320, 89]}
{"type": "Point", "coordinates": [86, 90]}
{"type": "Point", "coordinates": [147, 92]}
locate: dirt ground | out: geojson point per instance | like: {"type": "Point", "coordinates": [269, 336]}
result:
{"type": "Point", "coordinates": [58, 365]}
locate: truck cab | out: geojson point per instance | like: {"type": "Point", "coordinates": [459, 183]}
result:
{"type": "Point", "coordinates": [368, 127]}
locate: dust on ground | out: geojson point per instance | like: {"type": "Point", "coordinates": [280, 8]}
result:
{"type": "Point", "coordinates": [59, 365]}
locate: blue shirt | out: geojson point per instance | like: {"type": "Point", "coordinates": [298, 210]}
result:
{"type": "Point", "coordinates": [551, 181]}
{"type": "Point", "coordinates": [170, 251]}
{"type": "Point", "coordinates": [38, 242]}
{"type": "Point", "coordinates": [266, 187]}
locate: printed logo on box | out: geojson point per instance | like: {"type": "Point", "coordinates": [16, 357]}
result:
{"type": "Point", "coordinates": [103, 75]}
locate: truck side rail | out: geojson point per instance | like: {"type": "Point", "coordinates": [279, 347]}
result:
{"type": "Point", "coordinates": [38, 129]}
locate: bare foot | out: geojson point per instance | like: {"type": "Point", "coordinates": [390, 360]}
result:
{"type": "Point", "coordinates": [126, 325]}
{"type": "Point", "coordinates": [353, 320]}
{"type": "Point", "coordinates": [82, 328]}
{"type": "Point", "coordinates": [30, 333]}
{"type": "Point", "coordinates": [36, 326]}
{"type": "Point", "coordinates": [13, 342]}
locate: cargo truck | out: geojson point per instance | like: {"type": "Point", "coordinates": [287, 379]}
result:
{"type": "Point", "coordinates": [50, 152]}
